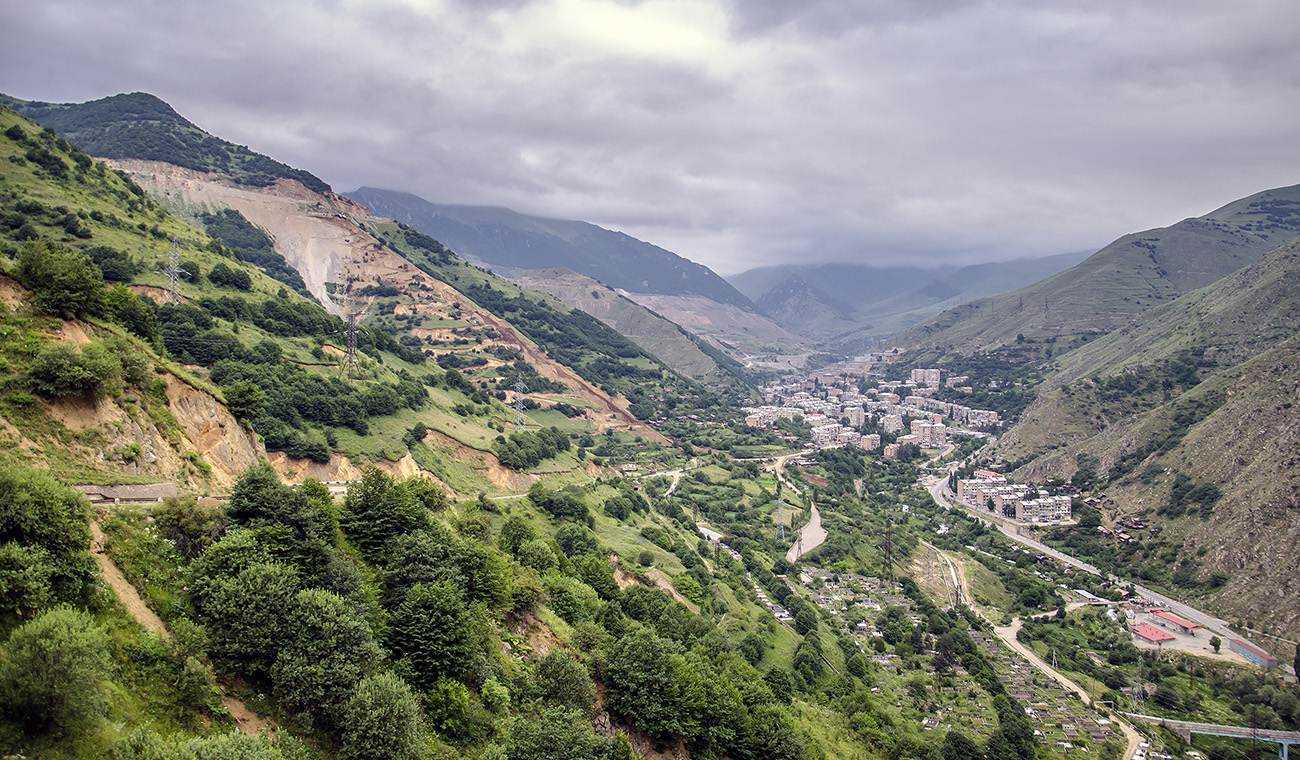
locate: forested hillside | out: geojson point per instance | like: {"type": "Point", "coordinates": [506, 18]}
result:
{"type": "Point", "coordinates": [139, 125]}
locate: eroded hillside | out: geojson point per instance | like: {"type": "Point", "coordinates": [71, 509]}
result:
{"type": "Point", "coordinates": [321, 237]}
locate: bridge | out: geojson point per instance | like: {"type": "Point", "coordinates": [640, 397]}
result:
{"type": "Point", "coordinates": [1185, 728]}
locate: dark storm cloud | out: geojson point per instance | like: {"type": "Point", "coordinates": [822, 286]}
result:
{"type": "Point", "coordinates": [736, 133]}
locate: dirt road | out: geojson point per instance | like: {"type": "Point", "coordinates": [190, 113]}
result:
{"type": "Point", "coordinates": [811, 536]}
{"type": "Point", "coordinates": [1007, 635]}
{"type": "Point", "coordinates": [247, 721]}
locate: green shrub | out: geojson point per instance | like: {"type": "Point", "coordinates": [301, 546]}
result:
{"type": "Point", "coordinates": [66, 283]}
{"type": "Point", "coordinates": [61, 371]}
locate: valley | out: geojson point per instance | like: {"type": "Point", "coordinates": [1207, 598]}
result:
{"type": "Point", "coordinates": [417, 509]}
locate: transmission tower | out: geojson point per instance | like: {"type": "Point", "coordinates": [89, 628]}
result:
{"type": "Point", "coordinates": [520, 389]}
{"type": "Point", "coordinates": [173, 271]}
{"type": "Point", "coordinates": [351, 314]}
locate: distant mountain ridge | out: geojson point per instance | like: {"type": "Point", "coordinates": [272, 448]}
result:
{"type": "Point", "coordinates": [1126, 278]}
{"type": "Point", "coordinates": [511, 242]}
{"type": "Point", "coordinates": [140, 125]}
{"type": "Point", "coordinates": [845, 303]}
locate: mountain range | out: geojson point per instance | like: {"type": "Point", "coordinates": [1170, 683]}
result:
{"type": "Point", "coordinates": [848, 305]}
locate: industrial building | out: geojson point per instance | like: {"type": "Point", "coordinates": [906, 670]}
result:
{"type": "Point", "coordinates": [1254, 654]}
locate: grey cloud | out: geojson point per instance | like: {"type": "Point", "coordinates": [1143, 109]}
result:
{"type": "Point", "coordinates": [888, 130]}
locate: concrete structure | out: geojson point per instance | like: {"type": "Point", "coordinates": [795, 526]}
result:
{"type": "Point", "coordinates": [1151, 633]}
{"type": "Point", "coordinates": [1254, 654]}
{"type": "Point", "coordinates": [1175, 622]}
{"type": "Point", "coordinates": [891, 423]}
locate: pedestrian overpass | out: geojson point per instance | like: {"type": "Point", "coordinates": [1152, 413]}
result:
{"type": "Point", "coordinates": [1185, 729]}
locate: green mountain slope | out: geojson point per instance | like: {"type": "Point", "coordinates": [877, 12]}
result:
{"type": "Point", "coordinates": [139, 125]}
{"type": "Point", "coordinates": [668, 342]}
{"type": "Point", "coordinates": [1124, 279]}
{"type": "Point", "coordinates": [1186, 418]}
{"type": "Point", "coordinates": [507, 241]}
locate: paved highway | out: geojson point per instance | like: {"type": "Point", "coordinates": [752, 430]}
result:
{"type": "Point", "coordinates": [938, 488]}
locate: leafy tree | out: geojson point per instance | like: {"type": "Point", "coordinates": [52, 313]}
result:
{"type": "Point", "coordinates": [245, 399]}
{"type": "Point", "coordinates": [650, 683]}
{"type": "Point", "coordinates": [48, 525]}
{"type": "Point", "coordinates": [66, 283]}
{"type": "Point", "coordinates": [429, 633]}
{"type": "Point", "coordinates": [228, 277]}
{"type": "Point", "coordinates": [328, 652]}
{"type": "Point", "coordinates": [377, 509]}
{"type": "Point", "coordinates": [576, 540]}
{"type": "Point", "coordinates": [131, 311]}
{"type": "Point", "coordinates": [805, 621]}
{"type": "Point", "coordinates": [514, 533]}
{"type": "Point", "coordinates": [382, 721]}
{"type": "Point", "coordinates": [958, 746]}
{"type": "Point", "coordinates": [247, 614]}
{"type": "Point", "coordinates": [555, 734]}
{"type": "Point", "coordinates": [61, 370]}
{"type": "Point", "coordinates": [774, 736]}
{"type": "Point", "coordinates": [1216, 642]}
{"type": "Point", "coordinates": [563, 681]}
{"type": "Point", "coordinates": [52, 677]}
{"type": "Point", "coordinates": [538, 555]}
{"type": "Point", "coordinates": [594, 571]}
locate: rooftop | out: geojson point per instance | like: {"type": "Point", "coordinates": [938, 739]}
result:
{"type": "Point", "coordinates": [1175, 620]}
{"type": "Point", "coordinates": [1151, 633]}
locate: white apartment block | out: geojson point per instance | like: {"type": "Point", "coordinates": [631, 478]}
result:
{"type": "Point", "coordinates": [930, 435]}
{"type": "Point", "coordinates": [891, 423]}
{"type": "Point", "coordinates": [1044, 509]}
{"type": "Point", "coordinates": [926, 377]}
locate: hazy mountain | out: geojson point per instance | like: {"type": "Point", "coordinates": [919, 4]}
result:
{"type": "Point", "coordinates": [1131, 275]}
{"type": "Point", "coordinates": [667, 341]}
{"type": "Point", "coordinates": [509, 242]}
{"type": "Point", "coordinates": [844, 302]}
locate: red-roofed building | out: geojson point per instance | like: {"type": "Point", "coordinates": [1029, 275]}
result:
{"type": "Point", "coordinates": [1180, 625]}
{"type": "Point", "coordinates": [987, 474]}
{"type": "Point", "coordinates": [1152, 634]}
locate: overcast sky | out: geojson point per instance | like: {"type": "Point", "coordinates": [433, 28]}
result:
{"type": "Point", "coordinates": [737, 133]}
